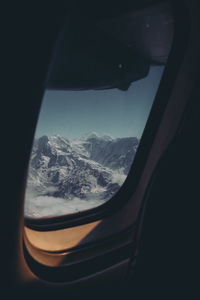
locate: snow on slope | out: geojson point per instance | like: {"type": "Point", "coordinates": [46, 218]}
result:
{"type": "Point", "coordinates": [66, 177]}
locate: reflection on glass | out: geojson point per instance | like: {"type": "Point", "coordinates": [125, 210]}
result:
{"type": "Point", "coordinates": [84, 146]}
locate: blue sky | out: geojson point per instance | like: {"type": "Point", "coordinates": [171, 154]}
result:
{"type": "Point", "coordinates": [73, 114]}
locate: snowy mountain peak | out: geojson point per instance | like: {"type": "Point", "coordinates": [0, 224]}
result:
{"type": "Point", "coordinates": [92, 169]}
{"type": "Point", "coordinates": [95, 135]}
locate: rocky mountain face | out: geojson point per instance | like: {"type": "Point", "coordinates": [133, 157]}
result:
{"type": "Point", "coordinates": [89, 168]}
{"type": "Point", "coordinates": [112, 153]}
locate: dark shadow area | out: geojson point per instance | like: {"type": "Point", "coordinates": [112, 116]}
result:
{"type": "Point", "coordinates": [168, 255]}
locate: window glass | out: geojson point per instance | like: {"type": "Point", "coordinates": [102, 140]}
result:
{"type": "Point", "coordinates": [84, 146]}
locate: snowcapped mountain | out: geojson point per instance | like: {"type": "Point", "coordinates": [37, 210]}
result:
{"type": "Point", "coordinates": [112, 153]}
{"type": "Point", "coordinates": [89, 169]}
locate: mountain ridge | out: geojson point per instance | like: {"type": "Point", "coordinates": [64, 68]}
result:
{"type": "Point", "coordinates": [92, 168]}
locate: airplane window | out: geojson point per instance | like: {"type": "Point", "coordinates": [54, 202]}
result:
{"type": "Point", "coordinates": [85, 143]}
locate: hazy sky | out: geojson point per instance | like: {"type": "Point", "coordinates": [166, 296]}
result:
{"type": "Point", "coordinates": [73, 114]}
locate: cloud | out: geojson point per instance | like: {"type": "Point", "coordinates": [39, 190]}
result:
{"type": "Point", "coordinates": [48, 206]}
{"type": "Point", "coordinates": [118, 177]}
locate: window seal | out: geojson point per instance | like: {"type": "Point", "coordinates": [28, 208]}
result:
{"type": "Point", "coordinates": [77, 270]}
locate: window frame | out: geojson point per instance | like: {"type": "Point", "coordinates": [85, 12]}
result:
{"type": "Point", "coordinates": [180, 38]}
